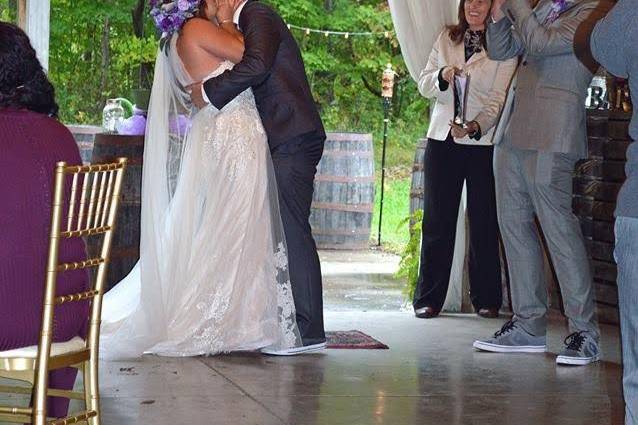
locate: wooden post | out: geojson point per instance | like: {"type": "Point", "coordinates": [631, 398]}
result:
{"type": "Point", "coordinates": [33, 18]}
{"type": "Point", "coordinates": [22, 13]}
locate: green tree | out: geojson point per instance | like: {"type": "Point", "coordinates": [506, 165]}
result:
{"type": "Point", "coordinates": [8, 10]}
{"type": "Point", "coordinates": [95, 54]}
{"type": "Point", "coordinates": [345, 73]}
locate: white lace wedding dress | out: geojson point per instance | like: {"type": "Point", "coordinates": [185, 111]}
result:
{"type": "Point", "coordinates": [213, 272]}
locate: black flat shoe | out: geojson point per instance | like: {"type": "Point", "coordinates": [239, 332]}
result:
{"type": "Point", "coordinates": [488, 313]}
{"type": "Point", "coordinates": [426, 312]}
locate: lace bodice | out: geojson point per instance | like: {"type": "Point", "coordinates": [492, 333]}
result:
{"type": "Point", "coordinates": [224, 66]}
{"type": "Point", "coordinates": [230, 132]}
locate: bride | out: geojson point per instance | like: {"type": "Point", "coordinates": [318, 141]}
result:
{"type": "Point", "coordinates": [213, 271]}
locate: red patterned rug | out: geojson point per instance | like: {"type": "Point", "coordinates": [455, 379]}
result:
{"type": "Point", "coordinates": [353, 340]}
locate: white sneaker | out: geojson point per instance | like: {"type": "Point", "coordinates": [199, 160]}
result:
{"type": "Point", "coordinates": [306, 349]}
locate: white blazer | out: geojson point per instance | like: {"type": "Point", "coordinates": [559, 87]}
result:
{"type": "Point", "coordinates": [488, 87]}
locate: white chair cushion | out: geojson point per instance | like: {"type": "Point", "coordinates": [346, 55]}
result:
{"type": "Point", "coordinates": [75, 344]}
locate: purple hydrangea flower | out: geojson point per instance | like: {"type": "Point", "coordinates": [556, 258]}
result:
{"type": "Point", "coordinates": [166, 24]}
{"type": "Point", "coordinates": [169, 16]}
{"type": "Point", "coordinates": [178, 21]}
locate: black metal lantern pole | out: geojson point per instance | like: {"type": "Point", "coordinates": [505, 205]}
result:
{"type": "Point", "coordinates": [387, 88]}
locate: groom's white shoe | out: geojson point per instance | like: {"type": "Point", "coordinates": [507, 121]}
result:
{"type": "Point", "coordinates": [306, 349]}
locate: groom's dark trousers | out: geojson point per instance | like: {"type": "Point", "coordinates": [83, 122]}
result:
{"type": "Point", "coordinates": [295, 164]}
{"type": "Point", "coordinates": [272, 66]}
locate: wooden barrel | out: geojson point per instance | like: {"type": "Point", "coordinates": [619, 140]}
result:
{"type": "Point", "coordinates": [125, 250]}
{"type": "Point", "coordinates": [343, 200]}
{"type": "Point", "coordinates": [416, 187]}
{"type": "Point", "coordinates": [597, 181]}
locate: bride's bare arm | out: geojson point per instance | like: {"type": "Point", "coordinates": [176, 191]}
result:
{"type": "Point", "coordinates": [225, 14]}
{"type": "Point", "coordinates": [214, 40]}
{"type": "Point", "coordinates": [231, 29]}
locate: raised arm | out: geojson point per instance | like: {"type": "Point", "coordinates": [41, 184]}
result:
{"type": "Point", "coordinates": [430, 82]}
{"type": "Point", "coordinates": [502, 42]}
{"type": "Point", "coordinates": [214, 40]}
{"type": "Point", "coordinates": [539, 40]}
{"type": "Point", "coordinates": [231, 29]}
{"type": "Point", "coordinates": [262, 39]}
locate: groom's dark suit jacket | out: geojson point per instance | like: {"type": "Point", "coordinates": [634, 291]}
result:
{"type": "Point", "coordinates": [273, 67]}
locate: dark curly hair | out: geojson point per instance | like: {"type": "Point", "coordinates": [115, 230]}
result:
{"type": "Point", "coordinates": [23, 82]}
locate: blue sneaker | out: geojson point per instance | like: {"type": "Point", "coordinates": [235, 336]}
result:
{"type": "Point", "coordinates": [580, 349]}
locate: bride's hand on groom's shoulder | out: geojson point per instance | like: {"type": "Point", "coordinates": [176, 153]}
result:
{"type": "Point", "coordinates": [225, 11]}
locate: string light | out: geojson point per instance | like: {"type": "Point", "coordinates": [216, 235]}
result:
{"type": "Point", "coordinates": [345, 34]}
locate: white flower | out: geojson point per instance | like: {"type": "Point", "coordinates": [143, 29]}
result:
{"type": "Point", "coordinates": [167, 7]}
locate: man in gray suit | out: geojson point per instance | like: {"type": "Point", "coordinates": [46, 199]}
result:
{"type": "Point", "coordinates": [544, 137]}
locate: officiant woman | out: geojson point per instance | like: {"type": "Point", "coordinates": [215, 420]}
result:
{"type": "Point", "coordinates": [461, 153]}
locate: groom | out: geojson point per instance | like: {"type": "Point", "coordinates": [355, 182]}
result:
{"type": "Point", "coordinates": [273, 68]}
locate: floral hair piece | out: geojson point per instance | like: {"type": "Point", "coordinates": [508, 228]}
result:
{"type": "Point", "coordinates": [170, 15]}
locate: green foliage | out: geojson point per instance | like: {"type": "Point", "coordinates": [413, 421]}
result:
{"type": "Point", "coordinates": [8, 10]}
{"type": "Point", "coordinates": [131, 52]}
{"type": "Point", "coordinates": [345, 74]}
{"type": "Point", "coordinates": [409, 265]}
{"type": "Point", "coordinates": [396, 206]}
{"type": "Point", "coordinates": [94, 55]}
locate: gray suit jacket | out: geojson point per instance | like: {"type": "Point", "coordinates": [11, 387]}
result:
{"type": "Point", "coordinates": [549, 98]}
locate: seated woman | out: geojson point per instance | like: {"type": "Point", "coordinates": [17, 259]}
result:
{"type": "Point", "coordinates": [456, 154]}
{"type": "Point", "coordinates": [31, 142]}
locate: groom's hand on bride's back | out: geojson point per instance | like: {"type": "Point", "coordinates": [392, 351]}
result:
{"type": "Point", "coordinates": [196, 95]}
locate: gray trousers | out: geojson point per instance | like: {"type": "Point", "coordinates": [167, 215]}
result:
{"type": "Point", "coordinates": [626, 254]}
{"type": "Point", "coordinates": [532, 183]}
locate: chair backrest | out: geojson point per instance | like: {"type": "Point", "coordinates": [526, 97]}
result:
{"type": "Point", "coordinates": [92, 210]}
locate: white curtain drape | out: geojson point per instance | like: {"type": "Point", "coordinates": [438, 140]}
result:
{"type": "Point", "coordinates": [418, 24]}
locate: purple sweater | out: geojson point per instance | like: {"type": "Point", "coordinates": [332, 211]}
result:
{"type": "Point", "coordinates": [30, 146]}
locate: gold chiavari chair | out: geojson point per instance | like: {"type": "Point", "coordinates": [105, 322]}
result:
{"type": "Point", "coordinates": [93, 215]}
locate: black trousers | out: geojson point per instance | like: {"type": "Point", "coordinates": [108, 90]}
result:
{"type": "Point", "coordinates": [295, 163]}
{"type": "Point", "coordinates": [447, 165]}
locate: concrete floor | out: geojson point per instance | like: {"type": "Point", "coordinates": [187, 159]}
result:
{"type": "Point", "coordinates": [430, 375]}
